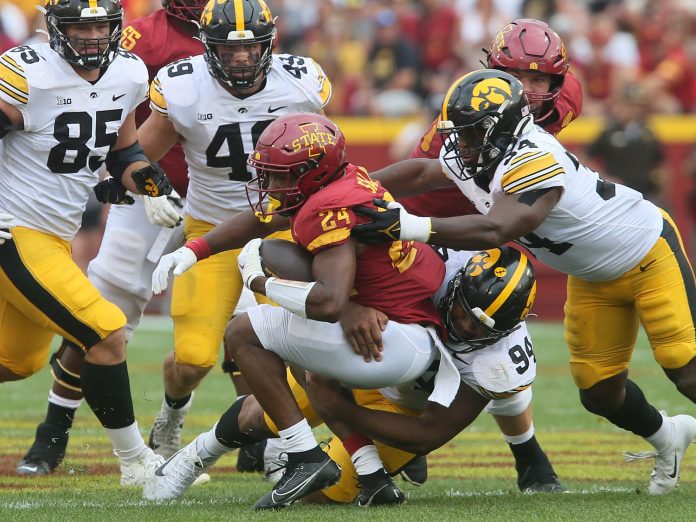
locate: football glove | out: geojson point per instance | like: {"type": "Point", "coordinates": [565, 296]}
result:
{"type": "Point", "coordinates": [249, 261]}
{"type": "Point", "coordinates": [177, 263]}
{"type": "Point", "coordinates": [6, 223]}
{"type": "Point", "coordinates": [164, 211]}
{"type": "Point", "coordinates": [152, 181]}
{"type": "Point", "coordinates": [110, 190]}
{"type": "Point", "coordinates": [390, 222]}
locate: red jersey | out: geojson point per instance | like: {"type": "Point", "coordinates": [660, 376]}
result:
{"type": "Point", "coordinates": [450, 201]}
{"type": "Point", "coordinates": [159, 39]}
{"type": "Point", "coordinates": [399, 278]}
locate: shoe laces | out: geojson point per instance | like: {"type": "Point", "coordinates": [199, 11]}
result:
{"type": "Point", "coordinates": [630, 456]}
{"type": "Point", "coordinates": [279, 464]}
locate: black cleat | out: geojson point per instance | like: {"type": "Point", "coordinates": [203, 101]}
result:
{"type": "Point", "coordinates": [539, 479]}
{"type": "Point", "coordinates": [299, 480]}
{"type": "Point", "coordinates": [416, 471]}
{"type": "Point", "coordinates": [46, 453]}
{"type": "Point", "coordinates": [385, 493]}
{"type": "Point", "coordinates": [250, 457]}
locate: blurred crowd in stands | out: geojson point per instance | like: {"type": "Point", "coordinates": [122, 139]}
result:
{"type": "Point", "coordinates": [396, 58]}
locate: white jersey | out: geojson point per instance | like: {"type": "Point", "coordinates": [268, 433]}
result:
{"type": "Point", "coordinates": [49, 168]}
{"type": "Point", "coordinates": [495, 372]}
{"type": "Point", "coordinates": [597, 231]}
{"type": "Point", "coordinates": [219, 130]}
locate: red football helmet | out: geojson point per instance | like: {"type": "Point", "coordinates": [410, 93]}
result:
{"type": "Point", "coordinates": [295, 157]}
{"type": "Point", "coordinates": [528, 44]}
{"type": "Point", "coordinates": [186, 10]}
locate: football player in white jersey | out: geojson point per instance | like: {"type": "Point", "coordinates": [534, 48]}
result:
{"type": "Point", "coordinates": [623, 255]}
{"type": "Point", "coordinates": [66, 109]}
{"type": "Point", "coordinates": [216, 105]}
{"type": "Point", "coordinates": [483, 301]}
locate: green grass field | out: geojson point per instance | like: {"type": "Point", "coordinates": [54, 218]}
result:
{"type": "Point", "coordinates": [471, 478]}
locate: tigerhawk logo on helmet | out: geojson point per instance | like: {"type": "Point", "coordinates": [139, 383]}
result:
{"type": "Point", "coordinates": [496, 288]}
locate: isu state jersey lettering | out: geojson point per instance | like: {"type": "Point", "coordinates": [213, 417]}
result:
{"type": "Point", "coordinates": [159, 39]}
{"type": "Point", "coordinates": [49, 168]}
{"type": "Point", "coordinates": [219, 130]}
{"type": "Point", "coordinates": [398, 279]}
{"type": "Point", "coordinates": [597, 231]}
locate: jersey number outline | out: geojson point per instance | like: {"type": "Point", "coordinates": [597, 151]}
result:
{"type": "Point", "coordinates": [522, 356]}
{"type": "Point", "coordinates": [231, 134]}
{"type": "Point", "coordinates": [295, 65]}
{"type": "Point", "coordinates": [61, 132]}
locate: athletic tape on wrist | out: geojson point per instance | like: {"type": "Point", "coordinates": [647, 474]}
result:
{"type": "Point", "coordinates": [291, 295]}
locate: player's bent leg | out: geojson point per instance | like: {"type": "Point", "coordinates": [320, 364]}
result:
{"type": "Point", "coordinates": [106, 388]}
{"type": "Point", "coordinates": [182, 469]}
{"type": "Point", "coordinates": [180, 381]}
{"type": "Point", "coordinates": [51, 438]}
{"type": "Point", "coordinates": [670, 436]}
{"type": "Point", "coordinates": [309, 468]}
{"type": "Point", "coordinates": [684, 379]}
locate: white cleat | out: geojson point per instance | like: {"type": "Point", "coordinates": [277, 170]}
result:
{"type": "Point", "coordinates": [176, 475]}
{"type": "Point", "coordinates": [139, 471]}
{"type": "Point", "coordinates": [165, 436]}
{"type": "Point", "coordinates": [665, 474]}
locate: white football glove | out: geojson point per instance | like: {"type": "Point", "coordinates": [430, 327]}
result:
{"type": "Point", "coordinates": [413, 228]}
{"type": "Point", "coordinates": [177, 262]}
{"type": "Point", "coordinates": [249, 262]}
{"type": "Point", "coordinates": [6, 222]}
{"type": "Point", "coordinates": [164, 211]}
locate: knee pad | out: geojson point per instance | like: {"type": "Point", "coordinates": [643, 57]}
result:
{"type": "Point", "coordinates": [511, 406]}
{"type": "Point", "coordinates": [66, 378]}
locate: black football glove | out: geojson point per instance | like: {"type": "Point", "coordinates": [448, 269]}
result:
{"type": "Point", "coordinates": [152, 181]}
{"type": "Point", "coordinates": [110, 190]}
{"type": "Point", "coordinates": [385, 226]}
{"type": "Point", "coordinates": [390, 222]}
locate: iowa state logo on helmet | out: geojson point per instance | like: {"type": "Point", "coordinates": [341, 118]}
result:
{"type": "Point", "coordinates": [490, 92]}
{"type": "Point", "coordinates": [313, 139]}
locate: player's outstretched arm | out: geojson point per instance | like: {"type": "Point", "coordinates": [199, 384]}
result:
{"type": "Point", "coordinates": [232, 233]}
{"type": "Point", "coordinates": [410, 177]}
{"type": "Point", "coordinates": [435, 426]}
{"type": "Point", "coordinates": [510, 218]}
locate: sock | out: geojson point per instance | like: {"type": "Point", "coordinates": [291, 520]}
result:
{"type": "Point", "coordinates": [56, 399]}
{"type": "Point", "coordinates": [127, 442]}
{"type": "Point", "coordinates": [209, 448]}
{"type": "Point", "coordinates": [107, 391]}
{"type": "Point", "coordinates": [520, 439]}
{"type": "Point", "coordinates": [363, 453]}
{"type": "Point", "coordinates": [176, 404]}
{"type": "Point", "coordinates": [636, 414]}
{"type": "Point", "coordinates": [300, 443]}
{"type": "Point", "coordinates": [60, 416]}
{"type": "Point", "coordinates": [662, 436]}
{"type": "Point", "coordinates": [527, 454]}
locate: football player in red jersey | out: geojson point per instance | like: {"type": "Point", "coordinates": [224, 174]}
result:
{"type": "Point", "coordinates": [302, 174]}
{"type": "Point", "coordinates": [158, 39]}
{"type": "Point", "coordinates": [532, 52]}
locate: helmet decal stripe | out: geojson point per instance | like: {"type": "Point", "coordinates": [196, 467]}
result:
{"type": "Point", "coordinates": [92, 5]}
{"type": "Point", "coordinates": [445, 102]}
{"type": "Point", "coordinates": [239, 15]}
{"type": "Point", "coordinates": [509, 288]}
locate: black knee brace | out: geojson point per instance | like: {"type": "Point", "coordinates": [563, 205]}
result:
{"type": "Point", "coordinates": [63, 376]}
{"type": "Point", "coordinates": [227, 430]}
